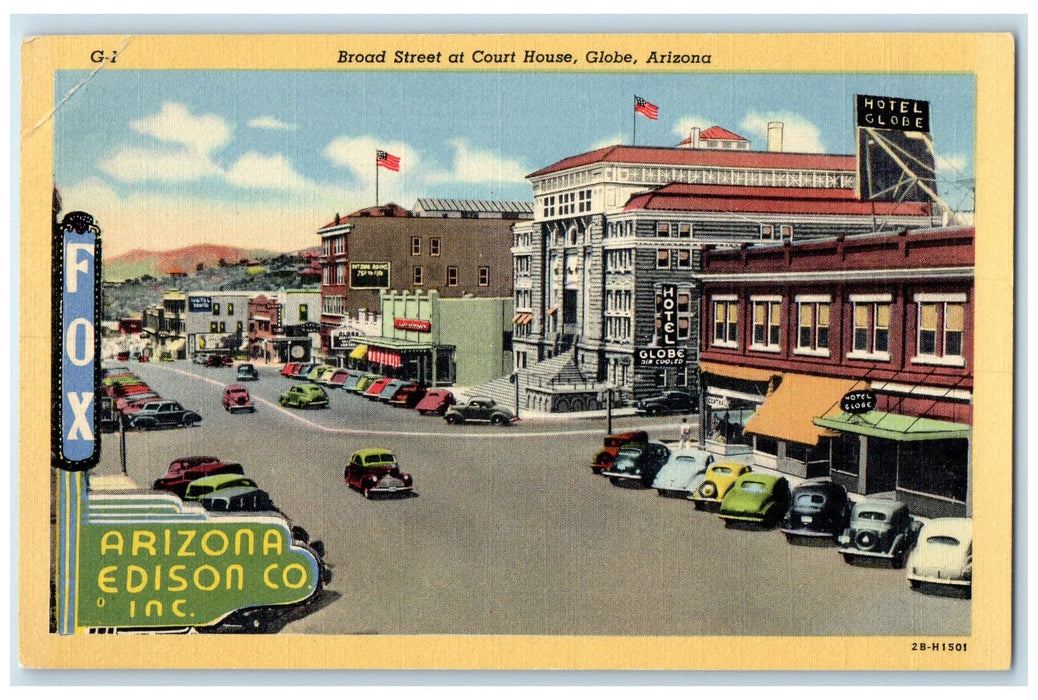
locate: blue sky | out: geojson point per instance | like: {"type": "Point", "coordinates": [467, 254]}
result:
{"type": "Point", "coordinates": [261, 159]}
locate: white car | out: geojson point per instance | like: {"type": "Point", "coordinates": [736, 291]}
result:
{"type": "Point", "coordinates": [943, 555]}
{"type": "Point", "coordinates": [683, 472]}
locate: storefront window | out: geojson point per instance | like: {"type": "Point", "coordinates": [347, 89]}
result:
{"type": "Point", "coordinates": [936, 467]}
{"type": "Point", "coordinates": [846, 454]}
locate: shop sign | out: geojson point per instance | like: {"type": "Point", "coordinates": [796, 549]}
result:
{"type": "Point", "coordinates": [176, 573]}
{"type": "Point", "coordinates": [896, 113]}
{"type": "Point", "coordinates": [369, 275]}
{"type": "Point", "coordinates": [718, 402]}
{"type": "Point", "coordinates": [209, 341]}
{"type": "Point", "coordinates": [200, 304]}
{"type": "Point", "coordinates": [667, 314]}
{"type": "Point", "coordinates": [858, 402]}
{"type": "Point", "coordinates": [412, 324]}
{"type": "Point", "coordinates": [660, 357]}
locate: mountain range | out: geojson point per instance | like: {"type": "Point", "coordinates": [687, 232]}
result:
{"type": "Point", "coordinates": [160, 263]}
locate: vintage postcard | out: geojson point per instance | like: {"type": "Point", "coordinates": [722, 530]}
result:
{"type": "Point", "coordinates": [517, 351]}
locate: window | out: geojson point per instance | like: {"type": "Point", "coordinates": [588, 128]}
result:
{"type": "Point", "coordinates": [684, 315]}
{"type": "Point", "coordinates": [941, 327]}
{"type": "Point", "coordinates": [786, 231]}
{"type": "Point", "coordinates": [230, 309]}
{"type": "Point", "coordinates": [434, 247]}
{"type": "Point", "coordinates": [767, 324]}
{"type": "Point", "coordinates": [452, 276]}
{"type": "Point", "coordinates": [726, 322]}
{"type": "Point", "coordinates": [767, 231]}
{"type": "Point", "coordinates": [239, 327]}
{"type": "Point", "coordinates": [662, 259]}
{"type": "Point", "coordinates": [304, 313]}
{"type": "Point", "coordinates": [684, 259]}
{"type": "Point", "coordinates": [813, 326]}
{"type": "Point", "coordinates": [416, 245]}
{"type": "Point", "coordinates": [223, 326]}
{"type": "Point", "coordinates": [871, 330]}
{"type": "Point", "coordinates": [663, 230]}
{"type": "Point", "coordinates": [214, 327]}
{"type": "Point", "coordinates": [685, 230]}
{"type": "Point", "coordinates": [416, 276]}
{"type": "Point", "coordinates": [484, 277]}
{"type": "Point", "coordinates": [216, 309]}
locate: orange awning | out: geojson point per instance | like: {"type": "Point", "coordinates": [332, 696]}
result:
{"type": "Point", "coordinates": [521, 319]}
{"type": "Point", "coordinates": [552, 310]}
{"type": "Point", "coordinates": [752, 374]}
{"type": "Point", "coordinates": [789, 411]}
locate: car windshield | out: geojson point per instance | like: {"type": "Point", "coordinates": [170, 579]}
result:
{"type": "Point", "coordinates": [872, 515]}
{"type": "Point", "coordinates": [753, 487]}
{"type": "Point", "coordinates": [722, 470]}
{"type": "Point", "coordinates": [686, 461]}
{"type": "Point", "coordinates": [810, 499]}
{"type": "Point", "coordinates": [380, 459]}
{"type": "Point", "coordinates": [943, 540]}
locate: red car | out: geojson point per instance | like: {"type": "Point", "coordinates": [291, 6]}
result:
{"type": "Point", "coordinates": [612, 444]}
{"type": "Point", "coordinates": [338, 378]}
{"type": "Point", "coordinates": [123, 356]}
{"type": "Point", "coordinates": [409, 395]}
{"type": "Point", "coordinates": [435, 402]}
{"type": "Point", "coordinates": [376, 388]}
{"type": "Point", "coordinates": [374, 471]}
{"type": "Point", "coordinates": [236, 398]}
{"type": "Point", "coordinates": [291, 369]}
{"type": "Point", "coordinates": [128, 390]}
{"type": "Point", "coordinates": [183, 471]}
{"type": "Point", "coordinates": [219, 361]}
{"type": "Point", "coordinates": [132, 404]}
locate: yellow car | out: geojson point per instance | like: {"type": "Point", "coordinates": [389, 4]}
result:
{"type": "Point", "coordinates": [719, 479]}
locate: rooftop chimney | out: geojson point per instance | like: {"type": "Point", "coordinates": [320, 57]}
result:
{"type": "Point", "coordinates": [775, 136]}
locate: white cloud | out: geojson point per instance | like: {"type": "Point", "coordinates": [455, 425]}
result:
{"type": "Point", "coordinates": [952, 165]}
{"type": "Point", "coordinates": [477, 166]}
{"type": "Point", "coordinates": [254, 170]}
{"type": "Point", "coordinates": [613, 140]}
{"type": "Point", "coordinates": [175, 124]}
{"type": "Point", "coordinates": [270, 122]}
{"type": "Point", "coordinates": [683, 126]}
{"type": "Point", "coordinates": [149, 164]}
{"type": "Point", "coordinates": [799, 135]}
{"type": "Point", "coordinates": [357, 154]}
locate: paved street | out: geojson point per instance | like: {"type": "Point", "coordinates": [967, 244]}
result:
{"type": "Point", "coordinates": [510, 532]}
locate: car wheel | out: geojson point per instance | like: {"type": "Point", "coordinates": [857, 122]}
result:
{"type": "Point", "coordinates": [866, 540]}
{"type": "Point", "coordinates": [708, 489]}
{"type": "Point", "coordinates": [914, 585]}
{"type": "Point", "coordinates": [697, 505]}
{"type": "Point", "coordinates": [453, 419]}
{"type": "Point", "coordinates": [497, 420]}
{"type": "Point", "coordinates": [848, 558]}
{"type": "Point", "coordinates": [367, 492]}
{"type": "Point", "coordinates": [898, 562]}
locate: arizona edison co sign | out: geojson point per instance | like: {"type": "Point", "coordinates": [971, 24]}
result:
{"type": "Point", "coordinates": [858, 402]}
{"type": "Point", "coordinates": [412, 324]}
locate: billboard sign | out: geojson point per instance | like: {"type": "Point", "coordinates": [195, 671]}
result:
{"type": "Point", "coordinates": [369, 275]}
{"type": "Point", "coordinates": [200, 304]}
{"type": "Point", "coordinates": [667, 314]}
{"type": "Point", "coordinates": [895, 153]}
{"type": "Point", "coordinates": [660, 357]}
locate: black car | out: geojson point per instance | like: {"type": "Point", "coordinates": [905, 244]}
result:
{"type": "Point", "coordinates": [162, 414]}
{"type": "Point", "coordinates": [637, 464]}
{"type": "Point", "coordinates": [247, 373]}
{"type": "Point", "coordinates": [880, 529]}
{"type": "Point", "coordinates": [819, 509]}
{"type": "Point", "coordinates": [667, 402]}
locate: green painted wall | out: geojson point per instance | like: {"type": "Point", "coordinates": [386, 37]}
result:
{"type": "Point", "coordinates": [475, 327]}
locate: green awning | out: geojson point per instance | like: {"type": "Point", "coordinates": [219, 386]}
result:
{"type": "Point", "coordinates": [893, 426]}
{"type": "Point", "coordinates": [359, 352]}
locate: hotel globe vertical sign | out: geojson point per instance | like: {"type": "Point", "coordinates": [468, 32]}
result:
{"type": "Point", "coordinates": [666, 354]}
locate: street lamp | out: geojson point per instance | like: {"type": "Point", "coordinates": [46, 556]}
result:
{"type": "Point", "coordinates": [514, 378]}
{"type": "Point", "coordinates": [609, 410]}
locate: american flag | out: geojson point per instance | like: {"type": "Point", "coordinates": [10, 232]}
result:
{"type": "Point", "coordinates": [643, 106]}
{"type": "Point", "coordinates": [387, 160]}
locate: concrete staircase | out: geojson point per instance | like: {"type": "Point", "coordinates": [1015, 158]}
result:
{"type": "Point", "coordinates": [560, 371]}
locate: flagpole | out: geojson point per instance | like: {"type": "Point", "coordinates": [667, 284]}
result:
{"type": "Point", "coordinates": [376, 178]}
{"type": "Point", "coordinates": [634, 123]}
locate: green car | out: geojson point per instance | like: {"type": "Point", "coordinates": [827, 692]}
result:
{"type": "Point", "coordinates": [211, 484]}
{"type": "Point", "coordinates": [304, 396]}
{"type": "Point", "coordinates": [319, 371]}
{"type": "Point", "coordinates": [364, 382]}
{"type": "Point", "coordinates": [756, 498]}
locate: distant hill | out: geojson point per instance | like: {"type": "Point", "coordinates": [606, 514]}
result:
{"type": "Point", "coordinates": [160, 263]}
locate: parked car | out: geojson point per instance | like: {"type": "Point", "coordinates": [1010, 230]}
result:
{"type": "Point", "coordinates": [123, 356]}
{"type": "Point", "coordinates": [480, 408]}
{"type": "Point", "coordinates": [162, 414]}
{"type": "Point", "coordinates": [211, 484]}
{"type": "Point", "coordinates": [364, 382]}
{"type": "Point", "coordinates": [247, 373]}
{"type": "Point", "coordinates": [318, 371]}
{"type": "Point", "coordinates": [435, 401]}
{"type": "Point", "coordinates": [683, 473]}
{"type": "Point", "coordinates": [760, 499]}
{"type": "Point", "coordinates": [374, 471]}
{"type": "Point", "coordinates": [291, 369]}
{"type": "Point", "coordinates": [353, 380]}
{"type": "Point", "coordinates": [409, 395]}
{"type": "Point", "coordinates": [304, 370]}
{"type": "Point", "coordinates": [112, 372]}
{"type": "Point", "coordinates": [719, 479]}
{"type": "Point", "coordinates": [218, 361]}
{"type": "Point", "coordinates": [132, 404]}
{"type": "Point", "coordinates": [239, 499]}
{"type": "Point", "coordinates": [128, 390]}
{"type": "Point", "coordinates": [611, 445]}
{"type": "Point", "coordinates": [818, 508]}
{"type": "Point", "coordinates": [637, 464]}
{"type": "Point", "coordinates": [390, 389]}
{"type": "Point", "coordinates": [336, 379]}
{"type": "Point", "coordinates": [667, 402]}
{"type": "Point", "coordinates": [943, 555]}
{"type": "Point", "coordinates": [375, 388]}
{"type": "Point", "coordinates": [879, 529]}
{"type": "Point", "coordinates": [198, 358]}
{"type": "Point", "coordinates": [304, 396]}
{"type": "Point", "coordinates": [236, 398]}
{"type": "Point", "coordinates": [185, 471]}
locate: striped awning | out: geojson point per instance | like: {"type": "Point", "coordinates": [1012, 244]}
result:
{"type": "Point", "coordinates": [522, 319]}
{"type": "Point", "coordinates": [384, 357]}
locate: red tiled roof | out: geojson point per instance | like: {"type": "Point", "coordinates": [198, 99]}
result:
{"type": "Point", "coordinates": [391, 210]}
{"type": "Point", "coordinates": [707, 157]}
{"type": "Point", "coordinates": [783, 200]}
{"type": "Point", "coordinates": [717, 133]}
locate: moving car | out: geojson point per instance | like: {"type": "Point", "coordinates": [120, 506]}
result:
{"type": "Point", "coordinates": [304, 396]}
{"type": "Point", "coordinates": [612, 444]}
{"type": "Point", "coordinates": [376, 387]}
{"type": "Point", "coordinates": [683, 473]}
{"type": "Point", "coordinates": [719, 479]}
{"type": "Point", "coordinates": [236, 398]}
{"type": "Point", "coordinates": [247, 373]}
{"type": "Point", "coordinates": [481, 408]}
{"type": "Point", "coordinates": [761, 499]}
{"type": "Point", "coordinates": [818, 509]}
{"type": "Point", "coordinates": [218, 361]}
{"type": "Point", "coordinates": [409, 395]}
{"type": "Point", "coordinates": [216, 482]}
{"type": "Point", "coordinates": [435, 401]}
{"type": "Point", "coordinates": [880, 529]}
{"type": "Point", "coordinates": [374, 471]}
{"type": "Point", "coordinates": [637, 464]}
{"type": "Point", "coordinates": [943, 555]}
{"type": "Point", "coordinates": [162, 414]}
{"type": "Point", "coordinates": [123, 356]}
{"type": "Point", "coordinates": [667, 402]}
{"type": "Point", "coordinates": [183, 471]}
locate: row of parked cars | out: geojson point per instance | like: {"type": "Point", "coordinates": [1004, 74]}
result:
{"type": "Point", "coordinates": [937, 553]}
{"type": "Point", "coordinates": [127, 398]}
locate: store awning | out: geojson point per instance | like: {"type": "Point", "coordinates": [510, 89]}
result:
{"type": "Point", "coordinates": [522, 319]}
{"type": "Point", "coordinates": [894, 426]}
{"type": "Point", "coordinates": [359, 352]}
{"type": "Point", "coordinates": [553, 310]}
{"type": "Point", "coordinates": [384, 357]}
{"type": "Point", "coordinates": [789, 412]}
{"type": "Point", "coordinates": [752, 374]}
